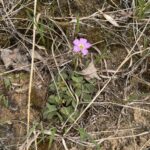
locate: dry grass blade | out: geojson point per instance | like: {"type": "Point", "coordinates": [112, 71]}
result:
{"type": "Point", "coordinates": [64, 143]}
{"type": "Point", "coordinates": [129, 136]}
{"type": "Point", "coordinates": [110, 20]}
{"type": "Point", "coordinates": [31, 73]}
{"type": "Point", "coordinates": [28, 143]}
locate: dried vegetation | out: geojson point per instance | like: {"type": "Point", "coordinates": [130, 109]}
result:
{"type": "Point", "coordinates": [51, 98]}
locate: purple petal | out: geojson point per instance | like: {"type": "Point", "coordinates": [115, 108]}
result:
{"type": "Point", "coordinates": [76, 49]}
{"type": "Point", "coordinates": [76, 42]}
{"type": "Point", "coordinates": [84, 51]}
{"type": "Point", "coordinates": [87, 45]}
{"type": "Point", "coordinates": [83, 41]}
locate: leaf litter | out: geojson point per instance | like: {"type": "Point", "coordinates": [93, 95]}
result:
{"type": "Point", "coordinates": [90, 72]}
{"type": "Point", "coordinates": [111, 20]}
{"type": "Point", "coordinates": [17, 60]}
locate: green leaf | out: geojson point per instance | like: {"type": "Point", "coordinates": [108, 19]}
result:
{"type": "Point", "coordinates": [52, 136]}
{"type": "Point", "coordinates": [49, 111]}
{"type": "Point", "coordinates": [88, 88]}
{"type": "Point", "coordinates": [68, 93]}
{"type": "Point", "coordinates": [7, 83]}
{"type": "Point", "coordinates": [64, 89]}
{"type": "Point", "coordinates": [61, 84]}
{"type": "Point", "coordinates": [77, 79]}
{"type": "Point", "coordinates": [40, 30]}
{"type": "Point", "coordinates": [55, 100]}
{"type": "Point", "coordinates": [1, 96]}
{"type": "Point", "coordinates": [60, 117]}
{"type": "Point", "coordinates": [78, 85]}
{"type": "Point", "coordinates": [68, 113]}
{"type": "Point", "coordinates": [51, 108]}
{"type": "Point", "coordinates": [47, 115]}
{"type": "Point", "coordinates": [50, 98]}
{"type": "Point", "coordinates": [74, 104]}
{"type": "Point", "coordinates": [64, 75]}
{"type": "Point", "coordinates": [67, 110]}
{"type": "Point", "coordinates": [78, 92]}
{"type": "Point", "coordinates": [52, 87]}
{"type": "Point", "coordinates": [68, 101]}
{"type": "Point", "coordinates": [4, 100]}
{"type": "Point", "coordinates": [87, 97]}
{"type": "Point", "coordinates": [83, 134]}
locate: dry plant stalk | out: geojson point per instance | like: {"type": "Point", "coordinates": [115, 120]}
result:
{"type": "Point", "coordinates": [32, 69]}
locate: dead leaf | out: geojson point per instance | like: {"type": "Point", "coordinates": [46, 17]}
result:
{"type": "Point", "coordinates": [90, 72]}
{"type": "Point", "coordinates": [37, 56]}
{"type": "Point", "coordinates": [4, 56]}
{"type": "Point", "coordinates": [16, 60]}
{"type": "Point", "coordinates": [73, 148]}
{"type": "Point", "coordinates": [111, 20]}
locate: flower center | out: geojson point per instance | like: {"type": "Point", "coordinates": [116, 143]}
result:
{"type": "Point", "coordinates": [81, 46]}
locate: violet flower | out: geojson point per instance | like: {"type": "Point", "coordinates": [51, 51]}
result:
{"type": "Point", "coordinates": [81, 45]}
